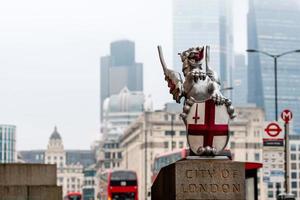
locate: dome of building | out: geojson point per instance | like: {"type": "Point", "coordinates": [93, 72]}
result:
{"type": "Point", "coordinates": [55, 135]}
{"type": "Point", "coordinates": [125, 101]}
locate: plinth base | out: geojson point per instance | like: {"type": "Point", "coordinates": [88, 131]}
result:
{"type": "Point", "coordinates": [199, 179]}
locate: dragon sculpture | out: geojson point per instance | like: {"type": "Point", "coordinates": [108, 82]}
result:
{"type": "Point", "coordinates": [201, 82]}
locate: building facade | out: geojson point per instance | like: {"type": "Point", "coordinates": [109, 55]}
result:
{"type": "Point", "coordinates": [90, 183]}
{"type": "Point", "coordinates": [8, 152]}
{"type": "Point", "coordinates": [70, 177]}
{"type": "Point", "coordinates": [205, 22]}
{"type": "Point", "coordinates": [119, 70]}
{"type": "Point", "coordinates": [245, 142]}
{"type": "Point", "coordinates": [119, 110]}
{"type": "Point", "coordinates": [273, 27]}
{"type": "Point", "coordinates": [146, 138]}
{"type": "Point", "coordinates": [295, 165]}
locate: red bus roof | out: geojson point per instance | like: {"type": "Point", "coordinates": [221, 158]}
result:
{"type": "Point", "coordinates": [170, 152]}
{"type": "Point", "coordinates": [73, 193]}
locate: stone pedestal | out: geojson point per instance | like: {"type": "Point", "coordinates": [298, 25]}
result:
{"type": "Point", "coordinates": [200, 178]}
{"type": "Point", "coordinates": [29, 182]}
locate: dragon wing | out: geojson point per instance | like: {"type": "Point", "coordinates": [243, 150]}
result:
{"type": "Point", "coordinates": [173, 78]}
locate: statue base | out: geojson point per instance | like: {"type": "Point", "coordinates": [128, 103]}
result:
{"type": "Point", "coordinates": [200, 178]}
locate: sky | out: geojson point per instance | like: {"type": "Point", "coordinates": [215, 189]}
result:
{"type": "Point", "coordinates": [49, 61]}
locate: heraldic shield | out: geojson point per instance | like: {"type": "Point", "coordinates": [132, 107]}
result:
{"type": "Point", "coordinates": [207, 126]}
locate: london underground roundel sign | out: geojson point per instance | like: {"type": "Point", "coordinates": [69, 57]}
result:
{"type": "Point", "coordinates": [273, 134]}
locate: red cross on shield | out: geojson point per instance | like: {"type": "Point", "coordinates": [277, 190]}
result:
{"type": "Point", "coordinates": [207, 125]}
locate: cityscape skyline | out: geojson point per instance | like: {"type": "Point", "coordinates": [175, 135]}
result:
{"type": "Point", "coordinates": [55, 79]}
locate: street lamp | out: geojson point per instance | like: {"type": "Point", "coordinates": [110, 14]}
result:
{"type": "Point", "coordinates": [274, 56]}
{"type": "Point", "coordinates": [172, 129]}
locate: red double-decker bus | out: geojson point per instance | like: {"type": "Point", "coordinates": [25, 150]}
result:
{"type": "Point", "coordinates": [167, 158]}
{"type": "Point", "coordinates": [118, 185]}
{"type": "Point", "coordinates": [73, 196]}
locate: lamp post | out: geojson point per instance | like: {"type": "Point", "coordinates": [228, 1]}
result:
{"type": "Point", "coordinates": [275, 57]}
{"type": "Point", "coordinates": [172, 129]}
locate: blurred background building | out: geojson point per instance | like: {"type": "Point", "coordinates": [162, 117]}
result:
{"type": "Point", "coordinates": [206, 22]}
{"type": "Point", "coordinates": [152, 134]}
{"type": "Point", "coordinates": [8, 153]}
{"type": "Point", "coordinates": [119, 110]}
{"type": "Point", "coordinates": [70, 163]}
{"type": "Point", "coordinates": [274, 27]}
{"type": "Point", "coordinates": [119, 70]}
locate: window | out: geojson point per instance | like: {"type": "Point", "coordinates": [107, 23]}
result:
{"type": "Point", "coordinates": [166, 145]}
{"type": "Point", "coordinates": [293, 147]}
{"type": "Point", "coordinates": [294, 184]}
{"type": "Point", "coordinates": [231, 133]}
{"type": "Point", "coordinates": [270, 185]}
{"type": "Point", "coordinates": [169, 132]}
{"type": "Point", "coordinates": [294, 166]}
{"type": "Point", "coordinates": [180, 144]}
{"type": "Point", "coordinates": [173, 144]}
{"type": "Point", "coordinates": [114, 155]}
{"type": "Point", "coordinates": [294, 175]}
{"type": "Point", "coordinates": [119, 155]}
{"type": "Point", "coordinates": [107, 155]}
{"type": "Point", "coordinates": [107, 165]}
{"type": "Point", "coordinates": [256, 156]}
{"type": "Point", "coordinates": [270, 194]}
{"type": "Point", "coordinates": [293, 156]}
{"type": "Point", "coordinates": [182, 133]}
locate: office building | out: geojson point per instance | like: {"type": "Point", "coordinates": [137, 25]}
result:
{"type": "Point", "coordinates": [205, 22]}
{"type": "Point", "coordinates": [119, 70]}
{"type": "Point", "coordinates": [8, 152]}
{"type": "Point", "coordinates": [239, 81]}
{"type": "Point", "coordinates": [274, 27]}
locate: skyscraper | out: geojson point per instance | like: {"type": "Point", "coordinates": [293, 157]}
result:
{"type": "Point", "coordinates": [8, 152]}
{"type": "Point", "coordinates": [274, 27]}
{"type": "Point", "coordinates": [239, 81]}
{"type": "Point", "coordinates": [119, 70]}
{"type": "Point", "coordinates": [204, 22]}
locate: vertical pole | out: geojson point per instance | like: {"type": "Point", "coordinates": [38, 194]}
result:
{"type": "Point", "coordinates": [275, 78]}
{"type": "Point", "coordinates": [172, 130]}
{"type": "Point", "coordinates": [146, 141]}
{"type": "Point", "coordinates": [287, 159]}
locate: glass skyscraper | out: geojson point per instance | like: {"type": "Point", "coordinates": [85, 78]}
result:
{"type": "Point", "coordinates": [204, 22]}
{"type": "Point", "coordinates": [274, 27]}
{"type": "Point", "coordinates": [239, 81]}
{"type": "Point", "coordinates": [7, 143]}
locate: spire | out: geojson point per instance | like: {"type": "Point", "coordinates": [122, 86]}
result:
{"type": "Point", "coordinates": [55, 135]}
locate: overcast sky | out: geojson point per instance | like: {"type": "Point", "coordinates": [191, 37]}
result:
{"type": "Point", "coordinates": [49, 61]}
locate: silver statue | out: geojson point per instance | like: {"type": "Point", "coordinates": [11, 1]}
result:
{"type": "Point", "coordinates": [201, 83]}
